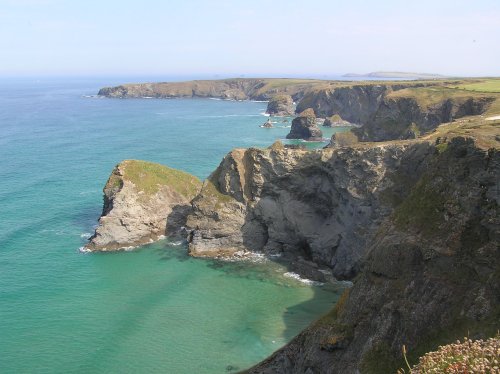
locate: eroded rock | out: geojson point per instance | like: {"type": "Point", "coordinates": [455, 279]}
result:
{"type": "Point", "coordinates": [143, 201]}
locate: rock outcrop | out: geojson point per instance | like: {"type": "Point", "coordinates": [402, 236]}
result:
{"type": "Point", "coordinates": [280, 105]}
{"type": "Point", "coordinates": [267, 125]}
{"type": "Point", "coordinates": [325, 206]}
{"type": "Point", "coordinates": [143, 201]}
{"type": "Point", "coordinates": [430, 274]}
{"type": "Point", "coordinates": [305, 127]}
{"type": "Point", "coordinates": [335, 121]}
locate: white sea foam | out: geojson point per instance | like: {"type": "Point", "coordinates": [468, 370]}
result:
{"type": "Point", "coordinates": [85, 235]}
{"type": "Point", "coordinates": [83, 193]}
{"type": "Point", "coordinates": [176, 244]}
{"type": "Point", "coordinates": [264, 114]}
{"type": "Point", "coordinates": [302, 280]}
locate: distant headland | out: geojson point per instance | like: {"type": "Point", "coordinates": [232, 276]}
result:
{"type": "Point", "coordinates": [395, 74]}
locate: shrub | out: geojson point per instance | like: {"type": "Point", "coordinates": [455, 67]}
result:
{"type": "Point", "coordinates": [469, 356]}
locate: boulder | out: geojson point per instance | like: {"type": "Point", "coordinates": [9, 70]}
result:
{"type": "Point", "coordinates": [305, 127]}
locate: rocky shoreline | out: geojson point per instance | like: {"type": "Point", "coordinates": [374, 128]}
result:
{"type": "Point", "coordinates": [413, 223]}
{"type": "Point", "coordinates": [381, 110]}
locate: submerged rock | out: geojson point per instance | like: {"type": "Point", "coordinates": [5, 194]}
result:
{"type": "Point", "coordinates": [267, 125]}
{"type": "Point", "coordinates": [143, 201]}
{"type": "Point", "coordinates": [305, 127]}
{"type": "Point", "coordinates": [280, 105]}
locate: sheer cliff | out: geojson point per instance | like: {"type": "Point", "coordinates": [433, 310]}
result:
{"type": "Point", "coordinates": [430, 274]}
{"type": "Point", "coordinates": [324, 206]}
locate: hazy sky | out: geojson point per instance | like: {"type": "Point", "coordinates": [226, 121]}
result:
{"type": "Point", "coordinates": [253, 37]}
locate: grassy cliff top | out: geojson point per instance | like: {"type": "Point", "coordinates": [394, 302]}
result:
{"type": "Point", "coordinates": [433, 95]}
{"type": "Point", "coordinates": [264, 88]}
{"type": "Point", "coordinates": [149, 177]}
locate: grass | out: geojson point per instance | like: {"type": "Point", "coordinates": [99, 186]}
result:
{"type": "Point", "coordinates": [427, 97]}
{"type": "Point", "coordinates": [344, 139]}
{"type": "Point", "coordinates": [486, 85]}
{"type": "Point", "coordinates": [150, 177]}
{"type": "Point", "coordinates": [486, 133]}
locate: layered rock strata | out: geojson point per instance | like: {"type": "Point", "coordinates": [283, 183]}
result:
{"type": "Point", "coordinates": [325, 206]}
{"type": "Point", "coordinates": [389, 112]}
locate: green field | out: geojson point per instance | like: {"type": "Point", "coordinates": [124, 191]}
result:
{"type": "Point", "coordinates": [486, 85]}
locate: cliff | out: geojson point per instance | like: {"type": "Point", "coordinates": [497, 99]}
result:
{"type": "Point", "coordinates": [430, 273]}
{"type": "Point", "coordinates": [324, 206]}
{"type": "Point", "coordinates": [143, 201]}
{"type": "Point", "coordinates": [389, 112]}
{"type": "Point", "coordinates": [413, 223]}
{"type": "Point", "coordinates": [385, 110]}
{"type": "Point", "coordinates": [231, 89]}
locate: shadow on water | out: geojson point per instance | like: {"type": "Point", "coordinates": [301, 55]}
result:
{"type": "Point", "coordinates": [325, 295]}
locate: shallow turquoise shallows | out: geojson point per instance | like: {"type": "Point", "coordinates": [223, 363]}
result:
{"type": "Point", "coordinates": [151, 310]}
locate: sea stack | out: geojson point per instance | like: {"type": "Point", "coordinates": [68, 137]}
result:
{"type": "Point", "coordinates": [305, 127]}
{"type": "Point", "coordinates": [280, 105]}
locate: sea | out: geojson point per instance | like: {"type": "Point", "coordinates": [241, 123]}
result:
{"type": "Point", "coordinates": [152, 309]}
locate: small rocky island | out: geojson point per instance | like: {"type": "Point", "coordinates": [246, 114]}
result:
{"type": "Point", "coordinates": [405, 206]}
{"type": "Point", "coordinates": [305, 127]}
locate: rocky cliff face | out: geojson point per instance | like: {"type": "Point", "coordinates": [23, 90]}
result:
{"type": "Point", "coordinates": [388, 112]}
{"type": "Point", "coordinates": [324, 206]}
{"type": "Point", "coordinates": [231, 89]}
{"type": "Point", "coordinates": [430, 274]}
{"type": "Point", "coordinates": [142, 202]}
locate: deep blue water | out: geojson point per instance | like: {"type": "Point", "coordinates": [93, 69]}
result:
{"type": "Point", "coordinates": [150, 310]}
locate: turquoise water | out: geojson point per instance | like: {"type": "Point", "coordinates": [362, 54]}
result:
{"type": "Point", "coordinates": [150, 310]}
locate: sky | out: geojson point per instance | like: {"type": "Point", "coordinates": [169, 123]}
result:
{"type": "Point", "coordinates": [248, 38]}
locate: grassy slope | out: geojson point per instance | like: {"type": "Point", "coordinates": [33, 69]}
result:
{"type": "Point", "coordinates": [149, 177]}
{"type": "Point", "coordinates": [480, 85]}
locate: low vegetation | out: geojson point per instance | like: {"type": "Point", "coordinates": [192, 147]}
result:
{"type": "Point", "coordinates": [469, 356]}
{"type": "Point", "coordinates": [149, 177]}
{"type": "Point", "coordinates": [344, 139]}
{"type": "Point", "coordinates": [427, 97]}
{"type": "Point", "coordinates": [484, 85]}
